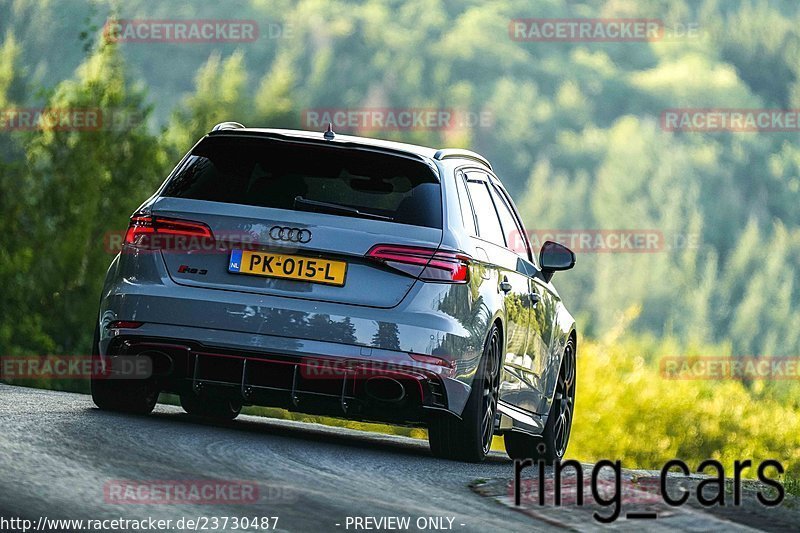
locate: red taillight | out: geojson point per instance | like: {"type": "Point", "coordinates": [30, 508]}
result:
{"type": "Point", "coordinates": [124, 324]}
{"type": "Point", "coordinates": [445, 362]}
{"type": "Point", "coordinates": [444, 366]}
{"type": "Point", "coordinates": [426, 263]}
{"type": "Point", "coordinates": [158, 233]}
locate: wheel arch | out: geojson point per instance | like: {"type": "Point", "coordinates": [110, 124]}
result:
{"type": "Point", "coordinates": [501, 328]}
{"type": "Point", "coordinates": [572, 335]}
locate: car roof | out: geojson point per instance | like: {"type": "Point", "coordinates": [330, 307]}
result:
{"type": "Point", "coordinates": [351, 140]}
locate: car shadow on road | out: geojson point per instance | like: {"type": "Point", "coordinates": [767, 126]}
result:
{"type": "Point", "coordinates": [308, 432]}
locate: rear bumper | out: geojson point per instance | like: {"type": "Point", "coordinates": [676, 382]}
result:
{"type": "Point", "coordinates": [392, 387]}
{"type": "Point", "coordinates": [426, 322]}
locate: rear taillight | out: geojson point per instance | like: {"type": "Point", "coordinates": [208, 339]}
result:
{"type": "Point", "coordinates": [426, 263]}
{"type": "Point", "coordinates": [124, 324]}
{"type": "Point", "coordinates": [160, 233]}
{"type": "Point", "coordinates": [447, 364]}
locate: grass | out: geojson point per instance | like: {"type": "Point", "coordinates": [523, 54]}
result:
{"type": "Point", "coordinates": [792, 485]}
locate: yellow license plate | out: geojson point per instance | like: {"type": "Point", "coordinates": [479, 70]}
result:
{"type": "Point", "coordinates": [282, 266]}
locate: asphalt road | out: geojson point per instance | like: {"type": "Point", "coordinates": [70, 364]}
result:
{"type": "Point", "coordinates": [62, 458]}
{"type": "Point", "coordinates": [58, 453]}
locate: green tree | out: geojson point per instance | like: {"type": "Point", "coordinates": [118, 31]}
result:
{"type": "Point", "coordinates": [218, 97]}
{"type": "Point", "coordinates": [88, 181]}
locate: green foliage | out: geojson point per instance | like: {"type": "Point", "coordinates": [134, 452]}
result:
{"type": "Point", "coordinates": [792, 485]}
{"type": "Point", "coordinates": [218, 98]}
{"type": "Point", "coordinates": [627, 409]}
{"type": "Point", "coordinates": [76, 186]}
{"type": "Point", "coordinates": [576, 136]}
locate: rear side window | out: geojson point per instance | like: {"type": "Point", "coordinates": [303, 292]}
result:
{"type": "Point", "coordinates": [466, 207]}
{"type": "Point", "coordinates": [324, 179]}
{"type": "Point", "coordinates": [488, 224]}
{"type": "Point", "coordinates": [511, 228]}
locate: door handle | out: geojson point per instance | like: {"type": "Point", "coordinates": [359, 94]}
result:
{"type": "Point", "coordinates": [534, 298]}
{"type": "Point", "coordinates": [505, 286]}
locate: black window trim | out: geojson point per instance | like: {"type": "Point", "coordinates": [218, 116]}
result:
{"type": "Point", "coordinates": [493, 181]}
{"type": "Point", "coordinates": [504, 196]}
{"type": "Point", "coordinates": [462, 176]}
{"type": "Point", "coordinates": [487, 183]}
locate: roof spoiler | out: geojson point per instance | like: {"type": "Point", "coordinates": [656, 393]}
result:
{"type": "Point", "coordinates": [457, 153]}
{"type": "Point", "coordinates": [227, 126]}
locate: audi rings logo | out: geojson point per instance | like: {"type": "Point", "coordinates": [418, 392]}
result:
{"type": "Point", "coordinates": [281, 233]}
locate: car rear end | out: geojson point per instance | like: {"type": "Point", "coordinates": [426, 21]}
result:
{"type": "Point", "coordinates": [296, 272]}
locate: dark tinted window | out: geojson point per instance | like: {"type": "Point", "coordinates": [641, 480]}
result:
{"type": "Point", "coordinates": [488, 224]}
{"type": "Point", "coordinates": [313, 178]}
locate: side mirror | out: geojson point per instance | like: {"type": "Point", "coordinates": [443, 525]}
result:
{"type": "Point", "coordinates": [554, 257]}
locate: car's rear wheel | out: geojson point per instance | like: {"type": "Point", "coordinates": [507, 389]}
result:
{"type": "Point", "coordinates": [217, 408]}
{"type": "Point", "coordinates": [552, 444]}
{"type": "Point", "coordinates": [136, 396]}
{"type": "Point", "coordinates": [470, 438]}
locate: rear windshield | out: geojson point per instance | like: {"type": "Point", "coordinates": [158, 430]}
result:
{"type": "Point", "coordinates": [322, 179]}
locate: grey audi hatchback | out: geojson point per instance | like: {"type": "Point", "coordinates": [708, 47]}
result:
{"type": "Point", "coordinates": [342, 276]}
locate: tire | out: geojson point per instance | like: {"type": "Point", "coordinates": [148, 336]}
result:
{"type": "Point", "coordinates": [133, 396]}
{"type": "Point", "coordinates": [470, 438]}
{"type": "Point", "coordinates": [216, 408]}
{"type": "Point", "coordinates": [552, 444]}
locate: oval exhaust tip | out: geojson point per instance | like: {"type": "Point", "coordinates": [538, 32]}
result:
{"type": "Point", "coordinates": [162, 363]}
{"type": "Point", "coordinates": [385, 389]}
